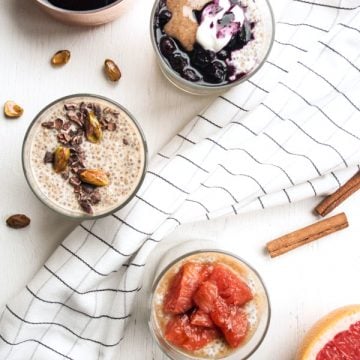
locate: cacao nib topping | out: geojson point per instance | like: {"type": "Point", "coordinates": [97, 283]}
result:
{"type": "Point", "coordinates": [48, 124]}
{"type": "Point", "coordinates": [111, 126]}
{"type": "Point", "coordinates": [125, 141]}
{"type": "Point", "coordinates": [58, 123]}
{"type": "Point", "coordinates": [86, 206]}
{"type": "Point", "coordinates": [49, 157]}
{"type": "Point", "coordinates": [74, 181]}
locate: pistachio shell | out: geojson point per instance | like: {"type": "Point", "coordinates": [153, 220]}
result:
{"type": "Point", "coordinates": [61, 57]}
{"type": "Point", "coordinates": [112, 71]}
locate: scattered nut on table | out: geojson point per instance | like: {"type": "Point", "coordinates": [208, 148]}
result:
{"type": "Point", "coordinates": [61, 57]}
{"type": "Point", "coordinates": [112, 71]}
{"type": "Point", "coordinates": [12, 109]}
{"type": "Point", "coordinates": [18, 221]}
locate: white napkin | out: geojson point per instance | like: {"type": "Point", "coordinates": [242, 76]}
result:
{"type": "Point", "coordinates": [292, 131]}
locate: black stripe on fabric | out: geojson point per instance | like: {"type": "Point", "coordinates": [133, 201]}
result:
{"type": "Point", "coordinates": [245, 175]}
{"type": "Point", "coordinates": [130, 226]}
{"type": "Point", "coordinates": [83, 261]}
{"type": "Point", "coordinates": [163, 156]}
{"type": "Point", "coordinates": [328, 82]}
{"type": "Point", "coordinates": [250, 155]}
{"type": "Point", "coordinates": [38, 342]}
{"type": "Point", "coordinates": [261, 203]}
{"type": "Point", "coordinates": [292, 45]}
{"type": "Point", "coordinates": [216, 143]}
{"type": "Point", "coordinates": [320, 143]}
{"type": "Point", "coordinates": [273, 111]}
{"type": "Point", "coordinates": [303, 24]}
{"type": "Point", "coordinates": [210, 122]}
{"type": "Point", "coordinates": [320, 109]}
{"type": "Point", "coordinates": [172, 218]}
{"type": "Point", "coordinates": [341, 55]}
{"type": "Point", "coordinates": [265, 164]}
{"type": "Point", "coordinates": [258, 86]}
{"type": "Point", "coordinates": [89, 291]}
{"type": "Point", "coordinates": [152, 205]}
{"type": "Point", "coordinates": [291, 153]}
{"type": "Point", "coordinates": [167, 181]}
{"type": "Point", "coordinates": [287, 195]}
{"type": "Point", "coordinates": [232, 103]}
{"type": "Point", "coordinates": [277, 66]}
{"type": "Point", "coordinates": [312, 186]}
{"type": "Point", "coordinates": [234, 209]}
{"type": "Point", "coordinates": [191, 162]}
{"type": "Point", "coordinates": [207, 216]}
{"type": "Point", "coordinates": [62, 326]}
{"type": "Point", "coordinates": [75, 310]}
{"type": "Point", "coordinates": [199, 203]}
{"type": "Point", "coordinates": [185, 138]}
{"type": "Point", "coordinates": [153, 240]}
{"type": "Point", "coordinates": [350, 27]}
{"type": "Point", "coordinates": [133, 264]}
{"type": "Point", "coordinates": [336, 178]}
{"type": "Point", "coordinates": [220, 188]}
{"type": "Point", "coordinates": [242, 125]}
{"type": "Point", "coordinates": [103, 241]}
{"type": "Point", "coordinates": [328, 5]}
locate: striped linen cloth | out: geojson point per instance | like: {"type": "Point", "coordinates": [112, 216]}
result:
{"type": "Point", "coordinates": [291, 132]}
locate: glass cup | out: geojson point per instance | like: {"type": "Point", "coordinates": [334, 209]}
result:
{"type": "Point", "coordinates": [211, 89]}
{"type": "Point", "coordinates": [34, 144]}
{"type": "Point", "coordinates": [198, 250]}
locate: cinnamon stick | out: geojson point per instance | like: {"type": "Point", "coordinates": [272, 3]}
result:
{"type": "Point", "coordinates": [307, 234]}
{"type": "Point", "coordinates": [334, 200]}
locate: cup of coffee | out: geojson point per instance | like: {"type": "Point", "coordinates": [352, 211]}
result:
{"type": "Point", "coordinates": [82, 12]}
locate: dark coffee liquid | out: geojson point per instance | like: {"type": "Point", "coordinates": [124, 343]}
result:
{"type": "Point", "coordinates": [81, 4]}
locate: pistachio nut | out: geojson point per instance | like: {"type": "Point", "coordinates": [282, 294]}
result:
{"type": "Point", "coordinates": [61, 158]}
{"type": "Point", "coordinates": [12, 110]}
{"type": "Point", "coordinates": [95, 177]}
{"type": "Point", "coordinates": [93, 130]}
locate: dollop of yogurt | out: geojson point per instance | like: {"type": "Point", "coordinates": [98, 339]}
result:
{"type": "Point", "coordinates": [219, 21]}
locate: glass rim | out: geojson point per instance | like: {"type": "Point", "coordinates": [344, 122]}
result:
{"type": "Point", "coordinates": [84, 216]}
{"type": "Point", "coordinates": [228, 253]}
{"type": "Point", "coordinates": [196, 86]}
{"type": "Point", "coordinates": [80, 12]}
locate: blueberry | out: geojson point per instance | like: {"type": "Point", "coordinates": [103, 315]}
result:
{"type": "Point", "coordinates": [215, 73]}
{"type": "Point", "coordinates": [244, 36]}
{"type": "Point", "coordinates": [201, 58]}
{"type": "Point", "coordinates": [178, 62]}
{"type": "Point", "coordinates": [190, 74]}
{"type": "Point", "coordinates": [164, 17]}
{"type": "Point", "coordinates": [222, 55]}
{"type": "Point", "coordinates": [167, 46]}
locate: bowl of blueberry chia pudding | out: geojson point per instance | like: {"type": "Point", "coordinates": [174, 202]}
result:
{"type": "Point", "coordinates": [208, 46]}
{"type": "Point", "coordinates": [84, 156]}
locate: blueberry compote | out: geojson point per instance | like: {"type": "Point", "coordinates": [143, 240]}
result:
{"type": "Point", "coordinates": [81, 5]}
{"type": "Point", "coordinates": [210, 67]}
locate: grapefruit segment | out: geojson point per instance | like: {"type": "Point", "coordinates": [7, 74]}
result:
{"type": "Point", "coordinates": [206, 295]}
{"type": "Point", "coordinates": [231, 288]}
{"type": "Point", "coordinates": [183, 286]}
{"type": "Point", "coordinates": [232, 321]}
{"type": "Point", "coordinates": [201, 318]}
{"type": "Point", "coordinates": [180, 332]}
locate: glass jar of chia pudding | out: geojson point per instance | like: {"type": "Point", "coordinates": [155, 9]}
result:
{"type": "Point", "coordinates": [208, 46]}
{"type": "Point", "coordinates": [84, 156]}
{"type": "Point", "coordinates": [207, 304]}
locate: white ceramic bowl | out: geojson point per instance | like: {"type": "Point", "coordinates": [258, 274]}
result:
{"type": "Point", "coordinates": [84, 18]}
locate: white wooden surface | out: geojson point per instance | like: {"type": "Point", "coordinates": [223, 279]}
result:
{"type": "Point", "coordinates": [303, 284]}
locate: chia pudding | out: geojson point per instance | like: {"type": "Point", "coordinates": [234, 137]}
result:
{"type": "Point", "coordinates": [209, 305]}
{"type": "Point", "coordinates": [212, 43]}
{"type": "Point", "coordinates": [84, 156]}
